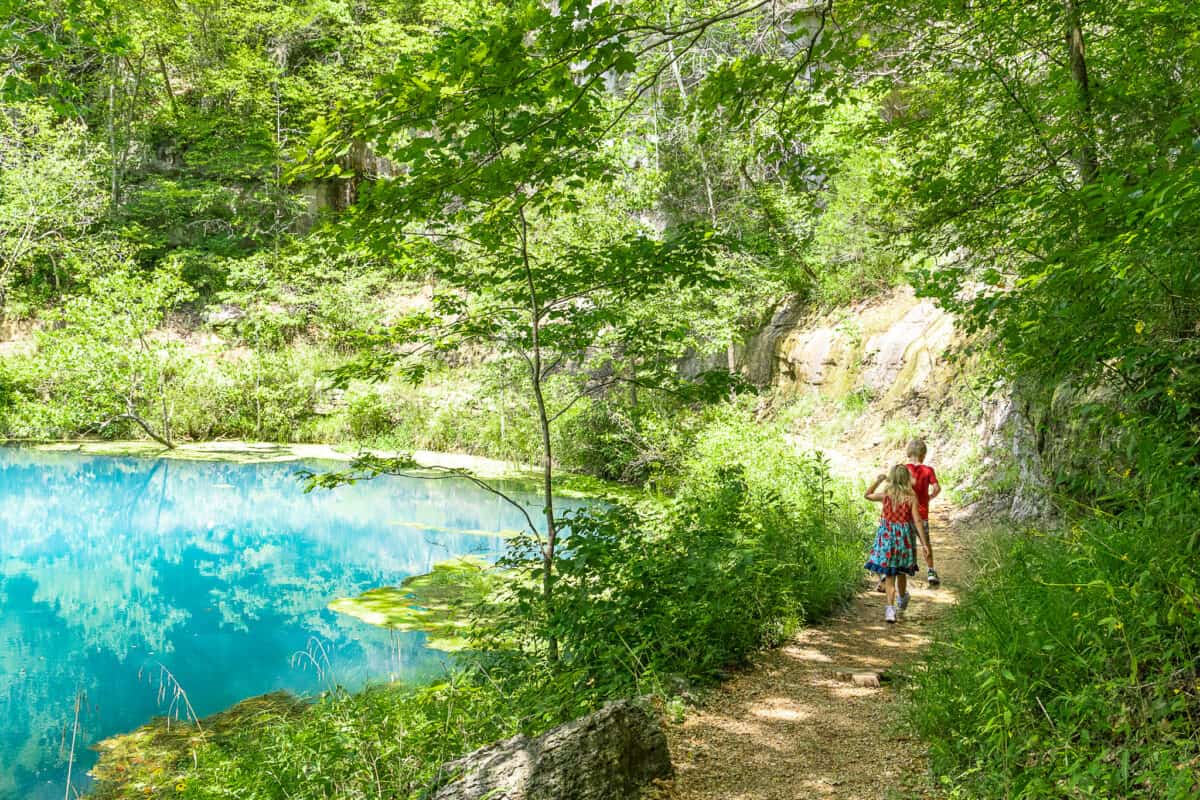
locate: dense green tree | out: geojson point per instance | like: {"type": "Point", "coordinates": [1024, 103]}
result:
{"type": "Point", "coordinates": [488, 157]}
{"type": "Point", "coordinates": [1052, 155]}
{"type": "Point", "coordinates": [51, 201]}
{"type": "Point", "coordinates": [107, 356]}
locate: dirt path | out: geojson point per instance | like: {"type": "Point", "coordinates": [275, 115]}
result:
{"type": "Point", "coordinates": [798, 725]}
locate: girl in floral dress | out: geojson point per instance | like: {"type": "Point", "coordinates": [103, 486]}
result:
{"type": "Point", "coordinates": [894, 555]}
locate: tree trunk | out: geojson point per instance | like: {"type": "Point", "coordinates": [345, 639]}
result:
{"type": "Point", "coordinates": [168, 439]}
{"type": "Point", "coordinates": [1085, 154]}
{"type": "Point", "coordinates": [535, 374]}
{"type": "Point", "coordinates": [132, 416]}
{"type": "Point", "coordinates": [635, 415]}
{"type": "Point", "coordinates": [114, 191]}
{"type": "Point", "coordinates": [683, 96]}
{"type": "Point", "coordinates": [548, 495]}
{"type": "Point", "coordinates": [145, 426]}
{"type": "Point", "coordinates": [166, 76]}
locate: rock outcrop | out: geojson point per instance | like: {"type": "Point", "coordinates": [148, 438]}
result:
{"type": "Point", "coordinates": [223, 314]}
{"type": "Point", "coordinates": [609, 755]}
{"type": "Point", "coordinates": [757, 358]}
{"type": "Point", "coordinates": [889, 347]}
{"type": "Point", "coordinates": [903, 356]}
{"type": "Point", "coordinates": [894, 352]}
{"type": "Point", "coordinates": [1008, 435]}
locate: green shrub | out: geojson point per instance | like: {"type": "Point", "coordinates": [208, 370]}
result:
{"type": "Point", "coordinates": [1070, 668]}
{"type": "Point", "coordinates": [756, 540]}
{"type": "Point", "coordinates": [385, 742]}
{"type": "Point", "coordinates": [264, 396]}
{"type": "Point", "coordinates": [367, 416]}
{"type": "Point", "coordinates": [602, 440]}
{"type": "Point", "coordinates": [857, 402]}
{"type": "Point", "coordinates": [636, 445]}
{"type": "Point", "coordinates": [441, 416]}
{"type": "Point", "coordinates": [899, 431]}
{"type": "Point", "coordinates": [268, 396]}
{"type": "Point", "coordinates": [803, 484]}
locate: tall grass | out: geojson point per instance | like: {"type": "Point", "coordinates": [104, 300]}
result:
{"type": "Point", "coordinates": [1072, 666]}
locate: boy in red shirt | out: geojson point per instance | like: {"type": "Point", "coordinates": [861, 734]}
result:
{"type": "Point", "coordinates": [925, 484]}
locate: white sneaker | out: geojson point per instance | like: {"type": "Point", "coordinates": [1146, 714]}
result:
{"type": "Point", "coordinates": [902, 602]}
{"type": "Point", "coordinates": [889, 614]}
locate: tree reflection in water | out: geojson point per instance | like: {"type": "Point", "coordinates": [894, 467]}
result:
{"type": "Point", "coordinates": [112, 568]}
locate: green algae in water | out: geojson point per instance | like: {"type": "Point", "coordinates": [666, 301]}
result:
{"type": "Point", "coordinates": [437, 603]}
{"type": "Point", "coordinates": [152, 760]}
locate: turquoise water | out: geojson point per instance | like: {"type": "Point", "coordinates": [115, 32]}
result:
{"type": "Point", "coordinates": [115, 572]}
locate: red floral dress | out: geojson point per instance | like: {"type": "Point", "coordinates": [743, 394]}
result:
{"type": "Point", "coordinates": [895, 549]}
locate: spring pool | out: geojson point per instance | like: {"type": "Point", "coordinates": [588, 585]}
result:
{"type": "Point", "coordinates": [121, 575]}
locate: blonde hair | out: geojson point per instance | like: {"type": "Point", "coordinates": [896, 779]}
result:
{"type": "Point", "coordinates": [916, 449]}
{"type": "Point", "coordinates": [899, 487]}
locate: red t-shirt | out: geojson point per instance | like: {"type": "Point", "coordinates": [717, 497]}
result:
{"type": "Point", "coordinates": [922, 477]}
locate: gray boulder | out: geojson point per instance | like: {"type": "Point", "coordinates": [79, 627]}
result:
{"type": "Point", "coordinates": [223, 314]}
{"type": "Point", "coordinates": [609, 755]}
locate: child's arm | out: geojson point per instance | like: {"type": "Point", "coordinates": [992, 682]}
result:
{"type": "Point", "coordinates": [935, 488]}
{"type": "Point", "coordinates": [872, 495]}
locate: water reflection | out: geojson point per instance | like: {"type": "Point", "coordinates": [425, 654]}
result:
{"type": "Point", "coordinates": [112, 568]}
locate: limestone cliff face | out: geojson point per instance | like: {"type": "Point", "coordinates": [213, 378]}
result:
{"type": "Point", "coordinates": [895, 350]}
{"type": "Point", "coordinates": [891, 346]}
{"type": "Point", "coordinates": [1009, 434]}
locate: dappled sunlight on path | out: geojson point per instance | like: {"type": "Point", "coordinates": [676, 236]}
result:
{"type": "Point", "coordinates": [818, 717]}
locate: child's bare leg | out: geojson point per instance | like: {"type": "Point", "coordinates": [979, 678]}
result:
{"type": "Point", "coordinates": [933, 578]}
{"type": "Point", "coordinates": [902, 582]}
{"type": "Point", "coordinates": [891, 590]}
